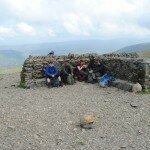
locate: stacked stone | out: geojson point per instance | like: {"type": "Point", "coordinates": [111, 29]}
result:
{"type": "Point", "coordinates": [131, 70]}
{"type": "Point", "coordinates": [128, 69]}
{"type": "Point", "coordinates": [147, 74]}
{"type": "Point", "coordinates": [33, 71]}
{"type": "Point", "coordinates": [125, 55]}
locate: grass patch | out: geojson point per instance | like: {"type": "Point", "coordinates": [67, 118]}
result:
{"type": "Point", "coordinates": [9, 70]}
{"type": "Point", "coordinates": [144, 92]}
{"type": "Point", "coordinates": [22, 85]}
{"type": "Point", "coordinates": [145, 54]}
{"type": "Point", "coordinates": [80, 143]}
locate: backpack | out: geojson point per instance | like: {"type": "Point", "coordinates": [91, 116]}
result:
{"type": "Point", "coordinates": [105, 80]}
{"type": "Point", "coordinates": [70, 80]}
{"type": "Point", "coordinates": [90, 78]}
{"type": "Point", "coordinates": [55, 82]}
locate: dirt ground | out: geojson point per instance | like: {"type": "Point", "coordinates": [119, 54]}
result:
{"type": "Point", "coordinates": [47, 119]}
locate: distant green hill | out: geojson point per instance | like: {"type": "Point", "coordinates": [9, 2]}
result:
{"type": "Point", "coordinates": [14, 55]}
{"type": "Point", "coordinates": [135, 48]}
{"type": "Point", "coordinates": [142, 49]}
{"type": "Point", "coordinates": [75, 46]}
{"type": "Point", "coordinates": [145, 54]}
{"type": "Point", "coordinates": [10, 58]}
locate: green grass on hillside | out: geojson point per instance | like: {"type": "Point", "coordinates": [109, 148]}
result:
{"type": "Point", "coordinates": [9, 70]}
{"type": "Point", "coordinates": [145, 54]}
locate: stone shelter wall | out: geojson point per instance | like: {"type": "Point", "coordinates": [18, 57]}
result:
{"type": "Point", "coordinates": [132, 69]}
{"type": "Point", "coordinates": [129, 69]}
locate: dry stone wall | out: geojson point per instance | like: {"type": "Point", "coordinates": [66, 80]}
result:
{"type": "Point", "coordinates": [131, 69]}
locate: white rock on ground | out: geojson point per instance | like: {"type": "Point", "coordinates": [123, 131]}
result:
{"type": "Point", "coordinates": [137, 87]}
{"type": "Point", "coordinates": [45, 118]}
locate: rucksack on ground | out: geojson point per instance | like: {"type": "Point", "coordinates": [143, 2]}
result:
{"type": "Point", "coordinates": [106, 80]}
{"type": "Point", "coordinates": [70, 80]}
{"type": "Point", "coordinates": [55, 82]}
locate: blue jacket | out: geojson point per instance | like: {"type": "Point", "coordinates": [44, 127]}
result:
{"type": "Point", "coordinates": [51, 71]}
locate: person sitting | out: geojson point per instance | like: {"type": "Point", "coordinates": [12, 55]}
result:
{"type": "Point", "coordinates": [52, 75]}
{"type": "Point", "coordinates": [98, 68]}
{"type": "Point", "coordinates": [81, 71]}
{"type": "Point", "coordinates": [91, 74]}
{"type": "Point", "coordinates": [67, 73]}
{"type": "Point", "coordinates": [95, 70]}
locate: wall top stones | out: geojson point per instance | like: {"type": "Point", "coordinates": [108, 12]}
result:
{"type": "Point", "coordinates": [125, 55]}
{"type": "Point", "coordinates": [74, 57]}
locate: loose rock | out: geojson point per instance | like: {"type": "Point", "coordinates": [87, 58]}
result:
{"type": "Point", "coordinates": [136, 87]}
{"type": "Point", "coordinates": [87, 121]}
{"type": "Point", "coordinates": [134, 104]}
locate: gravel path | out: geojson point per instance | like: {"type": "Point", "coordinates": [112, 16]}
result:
{"type": "Point", "coordinates": [47, 119]}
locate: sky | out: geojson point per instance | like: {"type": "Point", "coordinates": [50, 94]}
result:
{"type": "Point", "coordinates": [37, 21]}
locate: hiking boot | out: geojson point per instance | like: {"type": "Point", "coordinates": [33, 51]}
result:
{"type": "Point", "coordinates": [94, 81]}
{"type": "Point", "coordinates": [60, 84]}
{"type": "Point", "coordinates": [49, 87]}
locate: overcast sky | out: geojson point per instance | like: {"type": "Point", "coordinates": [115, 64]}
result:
{"type": "Point", "coordinates": [34, 21]}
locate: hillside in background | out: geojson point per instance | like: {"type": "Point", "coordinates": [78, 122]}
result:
{"type": "Point", "coordinates": [144, 54]}
{"type": "Point", "coordinates": [16, 54]}
{"type": "Point", "coordinates": [136, 48]}
{"type": "Point", "coordinates": [78, 46]}
{"type": "Point", "coordinates": [10, 58]}
{"type": "Point", "coordinates": [11, 55]}
{"type": "Point", "coordinates": [142, 49]}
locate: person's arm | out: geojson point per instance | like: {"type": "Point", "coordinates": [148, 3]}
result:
{"type": "Point", "coordinates": [71, 68]}
{"type": "Point", "coordinates": [47, 71]}
{"type": "Point", "coordinates": [80, 68]}
{"type": "Point", "coordinates": [64, 70]}
{"type": "Point", "coordinates": [56, 71]}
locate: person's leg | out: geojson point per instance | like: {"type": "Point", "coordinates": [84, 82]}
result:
{"type": "Point", "coordinates": [93, 76]}
{"type": "Point", "coordinates": [59, 79]}
{"type": "Point", "coordinates": [84, 75]}
{"type": "Point", "coordinates": [60, 82]}
{"type": "Point", "coordinates": [76, 74]}
{"type": "Point", "coordinates": [48, 81]}
{"type": "Point", "coordinates": [72, 80]}
{"type": "Point", "coordinates": [64, 79]}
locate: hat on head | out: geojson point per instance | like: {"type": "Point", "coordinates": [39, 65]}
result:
{"type": "Point", "coordinates": [51, 53]}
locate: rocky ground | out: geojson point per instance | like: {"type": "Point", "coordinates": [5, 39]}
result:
{"type": "Point", "coordinates": [47, 119]}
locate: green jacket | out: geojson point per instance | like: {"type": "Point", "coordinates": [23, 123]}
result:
{"type": "Point", "coordinates": [67, 69]}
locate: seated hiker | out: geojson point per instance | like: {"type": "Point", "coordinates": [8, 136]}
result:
{"type": "Point", "coordinates": [81, 71]}
{"type": "Point", "coordinates": [52, 75]}
{"type": "Point", "coordinates": [67, 73]}
{"type": "Point", "coordinates": [98, 68]}
{"type": "Point", "coordinates": [91, 74]}
{"type": "Point", "coordinates": [95, 70]}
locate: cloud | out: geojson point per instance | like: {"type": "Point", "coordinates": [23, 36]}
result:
{"type": "Point", "coordinates": [118, 30]}
{"type": "Point", "coordinates": [13, 31]}
{"type": "Point", "coordinates": [79, 18]}
{"type": "Point", "coordinates": [70, 23]}
{"type": "Point", "coordinates": [7, 32]}
{"type": "Point", "coordinates": [51, 33]}
{"type": "Point", "coordinates": [77, 25]}
{"type": "Point", "coordinates": [33, 11]}
{"type": "Point", "coordinates": [26, 29]}
{"type": "Point", "coordinates": [25, 9]}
